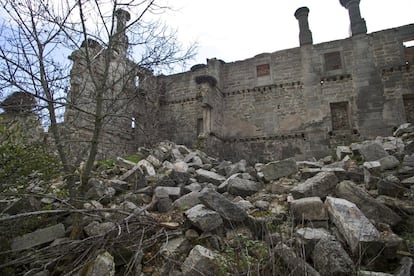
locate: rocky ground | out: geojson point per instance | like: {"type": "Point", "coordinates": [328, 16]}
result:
{"type": "Point", "coordinates": [180, 212]}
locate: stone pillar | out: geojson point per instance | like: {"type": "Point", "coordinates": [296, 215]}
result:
{"type": "Point", "coordinates": [122, 17]}
{"type": "Point", "coordinates": [358, 25]}
{"type": "Point", "coordinates": [305, 34]}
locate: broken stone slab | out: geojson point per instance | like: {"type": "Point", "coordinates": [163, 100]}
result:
{"type": "Point", "coordinates": [407, 267]}
{"type": "Point", "coordinates": [227, 209]}
{"type": "Point", "coordinates": [308, 237]}
{"type": "Point", "coordinates": [238, 167]}
{"type": "Point", "coordinates": [200, 261]}
{"type": "Point", "coordinates": [223, 187]}
{"type": "Point", "coordinates": [203, 218]}
{"type": "Point", "coordinates": [208, 176]}
{"type": "Point", "coordinates": [372, 273]}
{"type": "Point", "coordinates": [97, 229]}
{"type": "Point", "coordinates": [396, 204]}
{"type": "Point", "coordinates": [278, 169]}
{"type": "Point", "coordinates": [125, 163]}
{"type": "Point", "coordinates": [297, 266]}
{"type": "Point", "coordinates": [342, 151]}
{"type": "Point", "coordinates": [404, 128]}
{"type": "Point", "coordinates": [38, 237]}
{"type": "Point", "coordinates": [243, 187]}
{"type": "Point", "coordinates": [170, 192]}
{"type": "Point", "coordinates": [372, 209]}
{"type": "Point", "coordinates": [187, 201]}
{"type": "Point", "coordinates": [389, 162]}
{"type": "Point", "coordinates": [146, 167]}
{"type": "Point", "coordinates": [180, 166]}
{"type": "Point", "coordinates": [308, 209]}
{"type": "Point", "coordinates": [320, 185]}
{"type": "Point", "coordinates": [175, 247]}
{"type": "Point", "coordinates": [281, 186]}
{"type": "Point", "coordinates": [360, 234]}
{"type": "Point", "coordinates": [330, 258]}
{"type": "Point", "coordinates": [132, 175]}
{"type": "Point", "coordinates": [372, 151]}
{"type": "Point", "coordinates": [118, 185]}
{"type": "Point", "coordinates": [370, 180]}
{"type": "Point", "coordinates": [391, 186]}
{"type": "Point", "coordinates": [154, 161]}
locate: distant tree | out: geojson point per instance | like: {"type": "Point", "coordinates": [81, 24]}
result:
{"type": "Point", "coordinates": [19, 102]}
{"type": "Point", "coordinates": [36, 36]}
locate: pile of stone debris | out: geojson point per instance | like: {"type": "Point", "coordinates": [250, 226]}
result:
{"type": "Point", "coordinates": [180, 212]}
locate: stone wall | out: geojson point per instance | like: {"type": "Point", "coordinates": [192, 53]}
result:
{"type": "Point", "coordinates": [297, 102]}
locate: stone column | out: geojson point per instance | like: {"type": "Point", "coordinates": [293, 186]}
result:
{"type": "Point", "coordinates": [305, 34]}
{"type": "Point", "coordinates": [358, 25]}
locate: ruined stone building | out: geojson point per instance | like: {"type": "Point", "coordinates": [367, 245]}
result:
{"type": "Point", "coordinates": [291, 103]}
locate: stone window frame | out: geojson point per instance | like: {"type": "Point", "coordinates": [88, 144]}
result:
{"type": "Point", "coordinates": [348, 112]}
{"type": "Point", "coordinates": [408, 49]}
{"type": "Point", "coordinates": [263, 70]}
{"type": "Point", "coordinates": [337, 71]}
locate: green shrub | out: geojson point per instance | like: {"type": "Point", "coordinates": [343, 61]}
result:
{"type": "Point", "coordinates": [22, 158]}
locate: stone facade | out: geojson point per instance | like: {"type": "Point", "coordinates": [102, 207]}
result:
{"type": "Point", "coordinates": [291, 103]}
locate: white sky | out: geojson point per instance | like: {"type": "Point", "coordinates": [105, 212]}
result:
{"type": "Point", "coordinates": [239, 29]}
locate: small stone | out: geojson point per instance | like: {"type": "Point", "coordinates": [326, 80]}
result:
{"type": "Point", "coordinates": [187, 201]}
{"type": "Point", "coordinates": [97, 229]}
{"type": "Point", "coordinates": [243, 187]}
{"type": "Point", "coordinates": [389, 162]}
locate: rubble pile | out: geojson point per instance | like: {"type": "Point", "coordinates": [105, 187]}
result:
{"type": "Point", "coordinates": [178, 211]}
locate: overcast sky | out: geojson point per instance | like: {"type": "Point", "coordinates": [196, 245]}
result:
{"type": "Point", "coordinates": [239, 29]}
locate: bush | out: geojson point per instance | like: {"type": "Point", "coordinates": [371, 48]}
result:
{"type": "Point", "coordinates": [22, 158]}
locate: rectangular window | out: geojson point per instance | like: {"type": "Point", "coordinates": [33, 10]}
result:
{"type": "Point", "coordinates": [409, 51]}
{"type": "Point", "coordinates": [263, 70]}
{"type": "Point", "coordinates": [332, 61]}
{"type": "Point", "coordinates": [200, 126]}
{"type": "Point", "coordinates": [409, 107]}
{"type": "Point", "coordinates": [340, 116]}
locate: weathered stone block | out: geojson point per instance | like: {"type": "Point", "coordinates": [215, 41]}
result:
{"type": "Point", "coordinates": [320, 185]}
{"type": "Point", "coordinates": [38, 237]}
{"type": "Point", "coordinates": [372, 209]}
{"type": "Point", "coordinates": [308, 209]}
{"type": "Point", "coordinates": [200, 261]}
{"type": "Point", "coordinates": [227, 209]}
{"type": "Point", "coordinates": [208, 176]}
{"type": "Point", "coordinates": [330, 258]}
{"type": "Point", "coordinates": [278, 169]}
{"type": "Point", "coordinates": [243, 187]}
{"type": "Point", "coordinates": [360, 234]}
{"type": "Point", "coordinates": [203, 218]}
{"type": "Point", "coordinates": [372, 151]}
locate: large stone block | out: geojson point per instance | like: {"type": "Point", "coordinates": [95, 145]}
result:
{"type": "Point", "coordinates": [308, 209]}
{"type": "Point", "coordinates": [330, 258]}
{"type": "Point", "coordinates": [227, 209]}
{"type": "Point", "coordinates": [320, 185]}
{"type": "Point", "coordinates": [278, 169]}
{"type": "Point", "coordinates": [372, 151]}
{"type": "Point", "coordinates": [243, 187]}
{"type": "Point", "coordinates": [372, 209]}
{"type": "Point", "coordinates": [203, 218]}
{"type": "Point", "coordinates": [208, 176]}
{"type": "Point", "coordinates": [360, 234]}
{"type": "Point", "coordinates": [38, 237]}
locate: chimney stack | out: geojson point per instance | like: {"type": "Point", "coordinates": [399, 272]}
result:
{"type": "Point", "coordinates": [122, 17]}
{"type": "Point", "coordinates": [358, 25]}
{"type": "Point", "coordinates": [305, 34]}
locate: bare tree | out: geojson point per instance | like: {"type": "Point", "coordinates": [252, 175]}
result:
{"type": "Point", "coordinates": [36, 36]}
